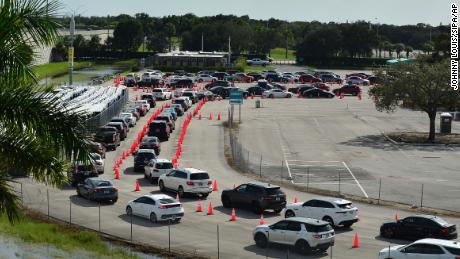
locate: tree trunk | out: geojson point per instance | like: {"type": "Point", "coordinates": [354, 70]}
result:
{"type": "Point", "coordinates": [431, 136]}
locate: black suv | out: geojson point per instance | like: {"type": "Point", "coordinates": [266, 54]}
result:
{"type": "Point", "coordinates": [108, 136]}
{"type": "Point", "coordinates": [80, 171]}
{"type": "Point", "coordinates": [150, 98]}
{"type": "Point", "coordinates": [159, 129]}
{"type": "Point", "coordinates": [257, 196]}
{"type": "Point", "coordinates": [142, 158]}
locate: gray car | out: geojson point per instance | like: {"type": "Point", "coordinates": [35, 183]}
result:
{"type": "Point", "coordinates": [98, 189]}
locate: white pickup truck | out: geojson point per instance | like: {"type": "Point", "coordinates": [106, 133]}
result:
{"type": "Point", "coordinates": [257, 62]}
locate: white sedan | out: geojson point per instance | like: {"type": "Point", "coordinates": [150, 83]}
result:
{"type": "Point", "coordinates": [356, 80]}
{"type": "Point", "coordinates": [423, 249]}
{"type": "Point", "coordinates": [276, 93]}
{"type": "Point", "coordinates": [156, 207]}
{"type": "Point", "coordinates": [205, 78]}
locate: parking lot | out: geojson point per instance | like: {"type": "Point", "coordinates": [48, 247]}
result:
{"type": "Point", "coordinates": [319, 141]}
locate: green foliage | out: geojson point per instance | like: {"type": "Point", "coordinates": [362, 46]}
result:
{"type": "Point", "coordinates": [128, 35]}
{"type": "Point", "coordinates": [321, 43]}
{"type": "Point", "coordinates": [71, 240]}
{"type": "Point", "coordinates": [280, 54]}
{"type": "Point", "coordinates": [423, 84]}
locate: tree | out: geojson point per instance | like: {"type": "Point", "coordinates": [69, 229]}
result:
{"type": "Point", "coordinates": [427, 47]}
{"type": "Point", "coordinates": [423, 84]}
{"type": "Point", "coordinates": [399, 48]}
{"type": "Point", "coordinates": [37, 135]}
{"type": "Point", "coordinates": [157, 42]}
{"type": "Point", "coordinates": [321, 43]}
{"type": "Point", "coordinates": [408, 50]}
{"type": "Point", "coordinates": [128, 35]}
{"type": "Point", "coordinates": [170, 31]}
{"type": "Point", "coordinates": [94, 43]}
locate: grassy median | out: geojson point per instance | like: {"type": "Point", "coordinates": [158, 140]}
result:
{"type": "Point", "coordinates": [280, 54]}
{"type": "Point", "coordinates": [57, 68]}
{"type": "Point", "coordinates": [66, 239]}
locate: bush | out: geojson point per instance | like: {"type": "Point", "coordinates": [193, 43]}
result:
{"type": "Point", "coordinates": [342, 62]}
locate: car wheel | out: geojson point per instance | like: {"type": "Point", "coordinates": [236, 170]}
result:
{"type": "Point", "coordinates": [387, 232]}
{"type": "Point", "coordinates": [153, 217]}
{"type": "Point", "coordinates": [145, 175]}
{"type": "Point", "coordinates": [180, 191]}
{"type": "Point", "coordinates": [177, 220]}
{"type": "Point", "coordinates": [347, 225]}
{"type": "Point", "coordinates": [302, 247]}
{"type": "Point", "coordinates": [288, 96]}
{"type": "Point", "coordinates": [162, 186]}
{"type": "Point", "coordinates": [256, 208]}
{"type": "Point", "coordinates": [114, 200]}
{"type": "Point", "coordinates": [277, 211]}
{"type": "Point", "coordinates": [226, 202]}
{"type": "Point", "coordinates": [329, 220]}
{"type": "Point", "coordinates": [204, 195]}
{"type": "Point", "coordinates": [129, 211]}
{"type": "Point", "coordinates": [289, 214]}
{"type": "Point", "coordinates": [261, 240]}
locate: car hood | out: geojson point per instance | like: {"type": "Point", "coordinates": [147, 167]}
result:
{"type": "Point", "coordinates": [392, 249]}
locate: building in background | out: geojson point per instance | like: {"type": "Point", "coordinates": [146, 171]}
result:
{"type": "Point", "coordinates": [186, 59]}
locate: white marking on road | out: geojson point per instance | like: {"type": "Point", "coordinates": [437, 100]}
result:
{"type": "Point", "coordinates": [356, 180]}
{"type": "Point", "coordinates": [313, 161]}
{"type": "Point", "coordinates": [325, 183]}
{"type": "Point", "coordinates": [307, 165]}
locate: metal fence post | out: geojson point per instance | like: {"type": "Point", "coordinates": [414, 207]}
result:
{"type": "Point", "coordinates": [331, 252]}
{"type": "Point", "coordinates": [282, 167]}
{"type": "Point", "coordinates": [260, 167]}
{"type": "Point", "coordinates": [70, 212]}
{"type": "Point", "coordinates": [421, 198]}
{"type": "Point", "coordinates": [248, 163]}
{"type": "Point", "coordinates": [48, 202]}
{"type": "Point", "coordinates": [268, 242]}
{"type": "Point", "coordinates": [380, 189]}
{"type": "Point", "coordinates": [218, 242]}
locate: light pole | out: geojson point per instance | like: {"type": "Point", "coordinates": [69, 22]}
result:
{"type": "Point", "coordinates": [71, 50]}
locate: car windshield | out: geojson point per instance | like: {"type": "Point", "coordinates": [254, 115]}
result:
{"type": "Point", "coordinates": [199, 176]}
{"type": "Point", "coordinates": [146, 156]}
{"type": "Point", "coordinates": [317, 228]}
{"type": "Point", "coordinates": [166, 201]}
{"type": "Point", "coordinates": [454, 251]}
{"type": "Point", "coordinates": [345, 206]}
{"type": "Point", "coordinates": [165, 165]}
{"type": "Point", "coordinates": [103, 184]}
{"type": "Point", "coordinates": [273, 191]}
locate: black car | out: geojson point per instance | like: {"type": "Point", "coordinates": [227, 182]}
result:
{"type": "Point", "coordinates": [224, 92]}
{"type": "Point", "coordinates": [220, 75]}
{"type": "Point", "coordinates": [181, 102]}
{"type": "Point", "coordinates": [274, 78]}
{"type": "Point", "coordinates": [123, 120]}
{"type": "Point", "coordinates": [151, 143]}
{"type": "Point", "coordinates": [150, 99]}
{"type": "Point", "coordinates": [256, 90]}
{"type": "Point", "coordinates": [184, 83]}
{"type": "Point", "coordinates": [142, 158]}
{"type": "Point", "coordinates": [108, 136]}
{"type": "Point", "coordinates": [120, 129]}
{"type": "Point", "coordinates": [217, 83]}
{"type": "Point", "coordinates": [80, 171]}
{"type": "Point", "coordinates": [264, 84]}
{"type": "Point", "coordinates": [256, 76]}
{"type": "Point", "coordinates": [206, 94]}
{"type": "Point", "coordinates": [256, 196]}
{"type": "Point", "coordinates": [418, 227]}
{"type": "Point", "coordinates": [317, 93]}
{"type": "Point", "coordinates": [97, 189]}
{"type": "Point", "coordinates": [159, 129]}
{"type": "Point", "coordinates": [167, 118]}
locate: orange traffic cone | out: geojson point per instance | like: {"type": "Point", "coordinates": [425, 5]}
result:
{"type": "Point", "coordinates": [218, 116]}
{"type": "Point", "coordinates": [210, 116]}
{"type": "Point", "coordinates": [215, 187]}
{"type": "Point", "coordinates": [356, 241]}
{"type": "Point", "coordinates": [233, 218]}
{"type": "Point", "coordinates": [360, 96]}
{"type": "Point", "coordinates": [396, 216]}
{"type": "Point", "coordinates": [199, 117]}
{"type": "Point", "coordinates": [210, 211]}
{"type": "Point", "coordinates": [262, 221]}
{"type": "Point", "coordinates": [117, 174]}
{"type": "Point", "coordinates": [200, 207]}
{"type": "Point", "coordinates": [137, 186]}
{"type": "Point", "coordinates": [295, 199]}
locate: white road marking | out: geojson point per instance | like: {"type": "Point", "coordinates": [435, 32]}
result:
{"type": "Point", "coordinates": [325, 183]}
{"type": "Point", "coordinates": [307, 165]}
{"type": "Point", "coordinates": [356, 180]}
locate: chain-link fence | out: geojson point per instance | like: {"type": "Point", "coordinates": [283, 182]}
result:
{"type": "Point", "coordinates": [338, 178]}
{"type": "Point", "coordinates": [102, 118]}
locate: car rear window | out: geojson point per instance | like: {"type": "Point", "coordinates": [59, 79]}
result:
{"type": "Point", "coordinates": [317, 228]}
{"type": "Point", "coordinates": [199, 176]}
{"type": "Point", "coordinates": [147, 156]}
{"type": "Point", "coordinates": [166, 201]}
{"type": "Point", "coordinates": [157, 91]}
{"type": "Point", "coordinates": [103, 184]}
{"type": "Point", "coordinates": [345, 206]}
{"type": "Point", "coordinates": [273, 191]}
{"type": "Point", "coordinates": [440, 221]}
{"type": "Point", "coordinates": [454, 251]}
{"type": "Point", "coordinates": [165, 165]}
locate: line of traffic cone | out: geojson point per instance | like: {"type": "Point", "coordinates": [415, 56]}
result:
{"type": "Point", "coordinates": [262, 220]}
{"type": "Point", "coordinates": [200, 207]}
{"type": "Point", "coordinates": [210, 210]}
{"type": "Point", "coordinates": [210, 116]}
{"type": "Point", "coordinates": [215, 187]}
{"type": "Point", "coordinates": [295, 199]}
{"type": "Point", "coordinates": [218, 116]}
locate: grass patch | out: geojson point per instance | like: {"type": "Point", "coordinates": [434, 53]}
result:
{"type": "Point", "coordinates": [421, 138]}
{"type": "Point", "coordinates": [57, 68]}
{"type": "Point", "coordinates": [280, 54]}
{"type": "Point", "coordinates": [70, 240]}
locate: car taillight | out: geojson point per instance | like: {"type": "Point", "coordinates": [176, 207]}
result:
{"type": "Point", "coordinates": [115, 189]}
{"type": "Point", "coordinates": [209, 182]}
{"type": "Point", "coordinates": [444, 230]}
{"type": "Point", "coordinates": [163, 207]}
{"type": "Point", "coordinates": [268, 197]}
{"type": "Point", "coordinates": [96, 190]}
{"type": "Point", "coordinates": [189, 183]}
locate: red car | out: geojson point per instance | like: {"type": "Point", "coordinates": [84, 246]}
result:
{"type": "Point", "coordinates": [242, 77]}
{"type": "Point", "coordinates": [309, 79]}
{"type": "Point", "coordinates": [322, 86]}
{"type": "Point", "coordinates": [348, 89]}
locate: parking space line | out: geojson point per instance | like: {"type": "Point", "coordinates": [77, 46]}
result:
{"type": "Point", "coordinates": [356, 180]}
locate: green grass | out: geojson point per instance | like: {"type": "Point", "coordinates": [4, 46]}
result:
{"type": "Point", "coordinates": [241, 65]}
{"type": "Point", "coordinates": [280, 54]}
{"type": "Point", "coordinates": [70, 240]}
{"type": "Point", "coordinates": [57, 68]}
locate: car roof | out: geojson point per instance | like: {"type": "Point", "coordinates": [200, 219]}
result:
{"type": "Point", "coordinates": [162, 160]}
{"type": "Point", "coordinates": [265, 185]}
{"type": "Point", "coordinates": [442, 242]}
{"type": "Point", "coordinates": [333, 200]}
{"type": "Point", "coordinates": [158, 122]}
{"type": "Point", "coordinates": [158, 196]}
{"type": "Point", "coordinates": [309, 221]}
{"type": "Point", "coordinates": [193, 170]}
{"type": "Point", "coordinates": [141, 150]}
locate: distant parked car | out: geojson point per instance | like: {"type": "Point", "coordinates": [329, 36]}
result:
{"type": "Point", "coordinates": [149, 98]}
{"type": "Point", "coordinates": [130, 117]}
{"type": "Point", "coordinates": [305, 234]}
{"type": "Point", "coordinates": [276, 93]}
{"type": "Point", "coordinates": [331, 78]}
{"type": "Point", "coordinates": [186, 181]}
{"type": "Point", "coordinates": [257, 62]}
{"type": "Point", "coordinates": [362, 75]}
{"type": "Point", "coordinates": [336, 211]}
{"type": "Point", "coordinates": [309, 79]}
{"type": "Point", "coordinates": [423, 249]}
{"type": "Point", "coordinates": [157, 167]}
{"type": "Point", "coordinates": [419, 226]}
{"type": "Point", "coordinates": [97, 189]}
{"type": "Point", "coordinates": [347, 89]}
{"type": "Point", "coordinates": [220, 75]}
{"type": "Point", "coordinates": [178, 108]}
{"type": "Point", "coordinates": [217, 83]}
{"type": "Point", "coordinates": [242, 77]}
{"type": "Point", "coordinates": [256, 196]}
{"type": "Point", "coordinates": [120, 129]}
{"type": "Point", "coordinates": [256, 90]}
{"type": "Point", "coordinates": [98, 162]}
{"type": "Point", "coordinates": [108, 136]}
{"type": "Point", "coordinates": [205, 78]}
{"type": "Point", "coordinates": [156, 207]}
{"type": "Point", "coordinates": [357, 80]}
{"type": "Point", "coordinates": [256, 76]}
{"type": "Point", "coordinates": [96, 147]}
{"type": "Point", "coordinates": [317, 93]}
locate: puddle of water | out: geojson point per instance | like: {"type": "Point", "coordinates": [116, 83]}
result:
{"type": "Point", "coordinates": [83, 76]}
{"type": "Point", "coordinates": [15, 248]}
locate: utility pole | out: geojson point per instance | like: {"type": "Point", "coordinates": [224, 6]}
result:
{"type": "Point", "coordinates": [202, 42]}
{"type": "Point", "coordinates": [229, 50]}
{"type": "Point", "coordinates": [71, 50]}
